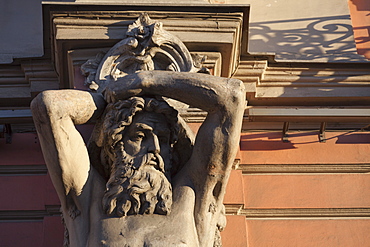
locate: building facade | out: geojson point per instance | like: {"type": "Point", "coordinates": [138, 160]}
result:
{"type": "Point", "coordinates": [301, 177]}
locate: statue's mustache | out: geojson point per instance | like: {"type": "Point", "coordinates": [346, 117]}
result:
{"type": "Point", "coordinates": [153, 159]}
{"type": "Point", "coordinates": [150, 158]}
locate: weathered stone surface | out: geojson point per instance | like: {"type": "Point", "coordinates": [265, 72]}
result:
{"type": "Point", "coordinates": [143, 179]}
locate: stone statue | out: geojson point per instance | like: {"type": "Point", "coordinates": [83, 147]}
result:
{"type": "Point", "coordinates": [142, 180]}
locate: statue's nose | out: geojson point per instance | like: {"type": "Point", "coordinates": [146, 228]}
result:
{"type": "Point", "coordinates": [154, 144]}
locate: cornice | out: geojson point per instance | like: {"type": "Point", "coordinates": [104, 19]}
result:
{"type": "Point", "coordinates": [20, 83]}
{"type": "Point", "coordinates": [292, 213]}
{"type": "Point", "coordinates": [20, 170]}
{"type": "Point", "coordinates": [271, 83]}
{"type": "Point", "coordinates": [304, 168]}
{"type": "Point", "coordinates": [29, 215]}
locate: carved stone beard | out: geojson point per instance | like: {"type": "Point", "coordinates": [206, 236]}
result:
{"type": "Point", "coordinates": [137, 185]}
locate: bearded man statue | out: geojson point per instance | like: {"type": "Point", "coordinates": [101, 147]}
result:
{"type": "Point", "coordinates": [138, 183]}
{"type": "Point", "coordinates": [142, 179]}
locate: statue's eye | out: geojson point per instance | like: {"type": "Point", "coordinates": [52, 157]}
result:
{"type": "Point", "coordinates": [140, 135]}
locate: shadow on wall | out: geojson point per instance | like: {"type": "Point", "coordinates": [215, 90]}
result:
{"type": "Point", "coordinates": [271, 141]}
{"type": "Point", "coordinates": [362, 39]}
{"type": "Point", "coordinates": [264, 142]}
{"type": "Point", "coordinates": [325, 38]}
{"type": "Point", "coordinates": [361, 5]}
{"type": "Point", "coordinates": [360, 13]}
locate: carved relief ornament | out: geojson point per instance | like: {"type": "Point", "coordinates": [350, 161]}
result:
{"type": "Point", "coordinates": [147, 46]}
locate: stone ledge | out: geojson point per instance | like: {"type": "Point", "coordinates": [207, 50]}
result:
{"type": "Point", "coordinates": [30, 215]}
{"type": "Point", "coordinates": [296, 212]}
{"type": "Point", "coordinates": [307, 168]}
{"type": "Point", "coordinates": [18, 170]}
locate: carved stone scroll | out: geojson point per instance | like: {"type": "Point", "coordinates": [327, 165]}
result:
{"type": "Point", "coordinates": [147, 46]}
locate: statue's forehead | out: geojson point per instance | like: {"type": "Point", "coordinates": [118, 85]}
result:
{"type": "Point", "coordinates": [156, 121]}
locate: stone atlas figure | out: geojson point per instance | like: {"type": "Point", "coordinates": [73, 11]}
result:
{"type": "Point", "coordinates": [142, 179]}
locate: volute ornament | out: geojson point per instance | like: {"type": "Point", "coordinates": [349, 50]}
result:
{"type": "Point", "coordinates": [147, 46]}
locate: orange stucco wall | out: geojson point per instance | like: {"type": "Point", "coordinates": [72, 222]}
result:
{"type": "Point", "coordinates": [318, 232]}
{"type": "Point", "coordinates": [360, 16]}
{"type": "Point", "coordinates": [305, 148]}
{"type": "Point", "coordinates": [306, 191]}
{"type": "Point", "coordinates": [26, 196]}
{"type": "Point", "coordinates": [251, 190]}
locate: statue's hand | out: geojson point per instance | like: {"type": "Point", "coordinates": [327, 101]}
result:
{"type": "Point", "coordinates": [125, 87]}
{"type": "Point", "coordinates": [108, 94]}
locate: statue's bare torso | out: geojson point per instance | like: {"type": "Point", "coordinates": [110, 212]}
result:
{"type": "Point", "coordinates": [176, 229]}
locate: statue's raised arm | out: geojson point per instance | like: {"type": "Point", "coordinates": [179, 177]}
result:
{"type": "Point", "coordinates": [55, 113]}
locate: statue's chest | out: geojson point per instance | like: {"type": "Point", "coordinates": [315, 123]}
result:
{"type": "Point", "coordinates": [176, 229]}
{"type": "Point", "coordinates": [147, 230]}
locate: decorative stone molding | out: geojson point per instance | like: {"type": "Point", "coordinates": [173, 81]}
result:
{"type": "Point", "coordinates": [20, 83]}
{"type": "Point", "coordinates": [203, 28]}
{"type": "Point", "coordinates": [29, 215]}
{"type": "Point", "coordinates": [296, 212]}
{"type": "Point", "coordinates": [278, 84]}
{"type": "Point", "coordinates": [23, 170]}
{"type": "Point", "coordinates": [304, 168]}
{"type": "Point", "coordinates": [147, 46]}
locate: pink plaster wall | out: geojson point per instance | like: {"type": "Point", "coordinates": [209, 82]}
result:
{"type": "Point", "coordinates": [252, 191]}
{"type": "Point", "coordinates": [360, 16]}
